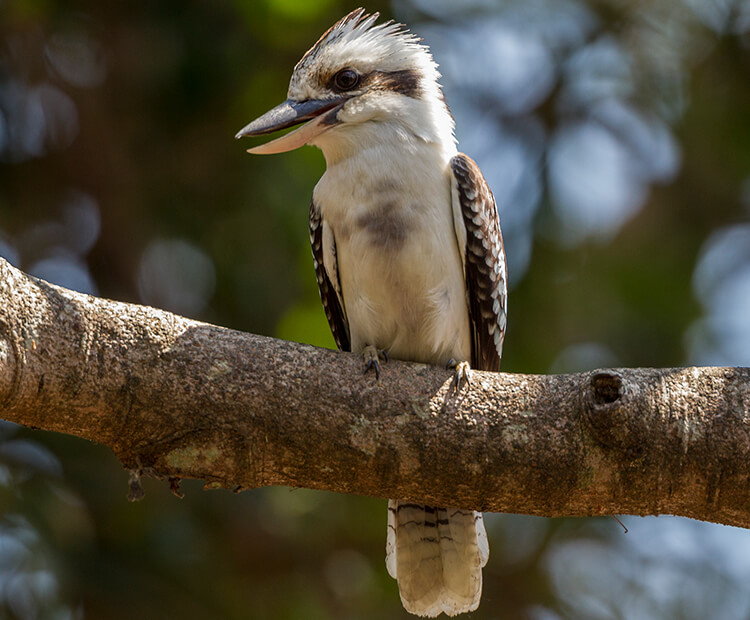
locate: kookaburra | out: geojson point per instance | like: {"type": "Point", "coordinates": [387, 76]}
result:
{"type": "Point", "coordinates": [407, 251]}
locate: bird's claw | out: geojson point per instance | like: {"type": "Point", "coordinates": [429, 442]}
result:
{"type": "Point", "coordinates": [462, 374]}
{"type": "Point", "coordinates": [372, 359]}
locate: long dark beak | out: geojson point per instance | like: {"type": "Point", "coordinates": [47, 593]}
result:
{"type": "Point", "coordinates": [292, 113]}
{"type": "Point", "coordinates": [287, 114]}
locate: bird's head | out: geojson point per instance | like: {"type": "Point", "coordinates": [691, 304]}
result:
{"type": "Point", "coordinates": [359, 83]}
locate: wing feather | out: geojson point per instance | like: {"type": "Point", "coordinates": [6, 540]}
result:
{"type": "Point", "coordinates": [481, 244]}
{"type": "Point", "coordinates": [326, 272]}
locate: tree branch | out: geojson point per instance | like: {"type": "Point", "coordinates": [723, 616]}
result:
{"type": "Point", "coordinates": [179, 398]}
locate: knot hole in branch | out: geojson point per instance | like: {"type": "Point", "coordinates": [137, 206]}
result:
{"type": "Point", "coordinates": [606, 411]}
{"type": "Point", "coordinates": [606, 388]}
{"type": "Point", "coordinates": [608, 414]}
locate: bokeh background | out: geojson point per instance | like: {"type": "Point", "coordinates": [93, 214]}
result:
{"type": "Point", "coordinates": [616, 136]}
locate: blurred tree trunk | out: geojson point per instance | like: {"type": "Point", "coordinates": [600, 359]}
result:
{"type": "Point", "coordinates": [177, 398]}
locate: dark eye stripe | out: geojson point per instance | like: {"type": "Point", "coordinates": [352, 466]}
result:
{"type": "Point", "coordinates": [404, 82]}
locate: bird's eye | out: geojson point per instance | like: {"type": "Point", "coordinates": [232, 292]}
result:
{"type": "Point", "coordinates": [346, 79]}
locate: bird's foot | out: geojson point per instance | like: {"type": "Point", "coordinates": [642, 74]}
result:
{"type": "Point", "coordinates": [462, 374]}
{"type": "Point", "coordinates": [372, 359]}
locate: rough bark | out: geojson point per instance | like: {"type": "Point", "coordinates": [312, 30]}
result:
{"type": "Point", "coordinates": [179, 398]}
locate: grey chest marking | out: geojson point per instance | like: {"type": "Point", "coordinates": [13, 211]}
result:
{"type": "Point", "coordinates": [386, 225]}
{"type": "Point", "coordinates": [389, 221]}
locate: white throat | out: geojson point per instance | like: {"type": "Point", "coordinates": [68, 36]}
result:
{"type": "Point", "coordinates": [392, 123]}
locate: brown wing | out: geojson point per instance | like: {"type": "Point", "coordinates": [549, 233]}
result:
{"type": "Point", "coordinates": [328, 284]}
{"type": "Point", "coordinates": [484, 262]}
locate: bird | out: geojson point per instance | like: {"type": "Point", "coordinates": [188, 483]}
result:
{"type": "Point", "coordinates": [407, 250]}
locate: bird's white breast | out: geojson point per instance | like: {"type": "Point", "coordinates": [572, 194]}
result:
{"type": "Point", "coordinates": [399, 266]}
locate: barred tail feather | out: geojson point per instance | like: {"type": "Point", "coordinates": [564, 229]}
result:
{"type": "Point", "coordinates": [437, 555]}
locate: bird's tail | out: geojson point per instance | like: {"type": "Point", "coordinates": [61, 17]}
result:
{"type": "Point", "coordinates": [437, 555]}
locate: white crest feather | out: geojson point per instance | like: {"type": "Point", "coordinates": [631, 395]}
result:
{"type": "Point", "coordinates": [357, 42]}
